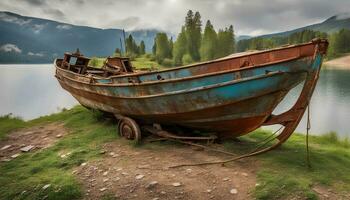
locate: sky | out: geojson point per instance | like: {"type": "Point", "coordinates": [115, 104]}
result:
{"type": "Point", "coordinates": [249, 17]}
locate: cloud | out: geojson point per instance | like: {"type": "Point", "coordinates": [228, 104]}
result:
{"type": "Point", "coordinates": [38, 27]}
{"type": "Point", "coordinates": [10, 48]}
{"type": "Point", "coordinates": [64, 26]}
{"type": "Point", "coordinates": [35, 54]}
{"type": "Point", "coordinates": [249, 17]}
{"type": "Point", "coordinates": [13, 19]}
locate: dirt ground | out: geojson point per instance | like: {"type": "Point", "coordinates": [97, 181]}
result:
{"type": "Point", "coordinates": [39, 137]}
{"type": "Point", "coordinates": [127, 172]}
{"type": "Point", "coordinates": [136, 173]}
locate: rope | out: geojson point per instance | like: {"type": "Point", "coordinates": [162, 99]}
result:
{"type": "Point", "coordinates": [308, 127]}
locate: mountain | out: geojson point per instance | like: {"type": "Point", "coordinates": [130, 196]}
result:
{"type": "Point", "coordinates": [331, 25]}
{"type": "Point", "coordinates": [34, 40]}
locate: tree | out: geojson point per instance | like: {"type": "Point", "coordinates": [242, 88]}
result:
{"type": "Point", "coordinates": [209, 42]}
{"type": "Point", "coordinates": [226, 42]}
{"type": "Point", "coordinates": [142, 48]}
{"type": "Point", "coordinates": [171, 46]}
{"type": "Point", "coordinates": [117, 52]}
{"type": "Point", "coordinates": [193, 34]}
{"type": "Point", "coordinates": [154, 48]}
{"type": "Point", "coordinates": [180, 47]}
{"type": "Point", "coordinates": [162, 47]}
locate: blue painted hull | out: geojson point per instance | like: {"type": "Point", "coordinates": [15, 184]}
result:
{"type": "Point", "coordinates": [232, 102]}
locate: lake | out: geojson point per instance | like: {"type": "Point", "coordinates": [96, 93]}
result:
{"type": "Point", "coordinates": [30, 91]}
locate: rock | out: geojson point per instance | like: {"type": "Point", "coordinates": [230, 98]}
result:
{"type": "Point", "coordinates": [59, 135]}
{"type": "Point", "coordinates": [116, 178]}
{"type": "Point", "coordinates": [105, 179]}
{"type": "Point", "coordinates": [102, 152]}
{"type": "Point", "coordinates": [103, 189]}
{"type": "Point", "coordinates": [46, 186]}
{"type": "Point", "coordinates": [143, 166]}
{"type": "Point", "coordinates": [119, 169]}
{"type": "Point", "coordinates": [124, 173]}
{"type": "Point", "coordinates": [5, 147]}
{"type": "Point", "coordinates": [163, 192]}
{"type": "Point", "coordinates": [140, 176]}
{"type": "Point", "coordinates": [151, 184]}
{"type": "Point", "coordinates": [244, 174]}
{"type": "Point", "coordinates": [209, 190]}
{"type": "Point", "coordinates": [188, 170]}
{"type": "Point", "coordinates": [156, 198]}
{"type": "Point", "coordinates": [226, 179]}
{"type": "Point", "coordinates": [177, 184]}
{"type": "Point", "coordinates": [257, 184]}
{"type": "Point", "coordinates": [105, 173]}
{"type": "Point", "coordinates": [233, 191]}
{"type": "Point", "coordinates": [83, 164]}
{"type": "Point", "coordinates": [15, 155]}
{"type": "Point", "coordinates": [27, 148]}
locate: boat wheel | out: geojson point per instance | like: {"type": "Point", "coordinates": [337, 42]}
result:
{"type": "Point", "coordinates": [129, 129]}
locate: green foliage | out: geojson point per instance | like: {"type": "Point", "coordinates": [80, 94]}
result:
{"type": "Point", "coordinates": [96, 62]}
{"type": "Point", "coordinates": [147, 61]}
{"type": "Point", "coordinates": [142, 48]}
{"type": "Point", "coordinates": [187, 59]}
{"type": "Point", "coordinates": [209, 43]}
{"type": "Point", "coordinates": [9, 123]}
{"type": "Point", "coordinates": [190, 41]}
{"type": "Point", "coordinates": [163, 49]}
{"type": "Point", "coordinates": [226, 41]}
{"type": "Point", "coordinates": [180, 47]}
{"type": "Point", "coordinates": [167, 62]}
{"type": "Point", "coordinates": [132, 49]}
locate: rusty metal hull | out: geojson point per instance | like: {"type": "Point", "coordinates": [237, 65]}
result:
{"type": "Point", "coordinates": [231, 96]}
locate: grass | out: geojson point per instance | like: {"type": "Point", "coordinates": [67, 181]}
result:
{"type": "Point", "coordinates": [282, 174]}
{"type": "Point", "coordinates": [143, 62]}
{"type": "Point", "coordinates": [9, 123]}
{"type": "Point", "coordinates": [31, 171]}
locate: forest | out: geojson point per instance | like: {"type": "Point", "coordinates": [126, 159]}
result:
{"type": "Point", "coordinates": [193, 44]}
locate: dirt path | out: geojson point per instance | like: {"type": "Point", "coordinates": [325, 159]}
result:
{"type": "Point", "coordinates": [30, 139]}
{"type": "Point", "coordinates": [127, 172]}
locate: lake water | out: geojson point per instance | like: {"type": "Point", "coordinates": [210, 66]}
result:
{"type": "Point", "coordinates": [30, 91]}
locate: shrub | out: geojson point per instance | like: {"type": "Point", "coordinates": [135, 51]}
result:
{"type": "Point", "coordinates": [187, 59]}
{"type": "Point", "coordinates": [167, 62]}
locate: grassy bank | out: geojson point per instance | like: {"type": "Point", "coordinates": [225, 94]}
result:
{"type": "Point", "coordinates": [143, 62]}
{"type": "Point", "coordinates": [283, 172]}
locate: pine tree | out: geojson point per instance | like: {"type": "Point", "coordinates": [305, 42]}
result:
{"type": "Point", "coordinates": [171, 47]}
{"type": "Point", "coordinates": [193, 34]}
{"type": "Point", "coordinates": [209, 42]}
{"type": "Point", "coordinates": [142, 48]}
{"type": "Point", "coordinates": [162, 47]}
{"type": "Point", "coordinates": [180, 47]}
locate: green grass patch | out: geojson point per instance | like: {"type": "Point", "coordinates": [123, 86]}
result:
{"type": "Point", "coordinates": [31, 171]}
{"type": "Point", "coordinates": [9, 123]}
{"type": "Point", "coordinates": [284, 172]}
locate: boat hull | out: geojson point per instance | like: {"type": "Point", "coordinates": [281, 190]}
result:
{"type": "Point", "coordinates": [231, 102]}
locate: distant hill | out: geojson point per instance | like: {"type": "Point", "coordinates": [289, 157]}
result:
{"type": "Point", "coordinates": [34, 40]}
{"type": "Point", "coordinates": [331, 25]}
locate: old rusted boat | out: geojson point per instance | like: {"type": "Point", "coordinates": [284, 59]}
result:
{"type": "Point", "coordinates": [231, 96]}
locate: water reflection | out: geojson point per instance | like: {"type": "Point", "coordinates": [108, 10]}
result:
{"type": "Point", "coordinates": [30, 91]}
{"type": "Point", "coordinates": [330, 109]}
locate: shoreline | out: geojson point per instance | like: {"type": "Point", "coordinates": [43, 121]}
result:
{"type": "Point", "coordinates": [342, 63]}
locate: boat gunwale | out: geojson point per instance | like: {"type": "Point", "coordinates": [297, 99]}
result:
{"type": "Point", "coordinates": [197, 89]}
{"type": "Point", "coordinates": [174, 79]}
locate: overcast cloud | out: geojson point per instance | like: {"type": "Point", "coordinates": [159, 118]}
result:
{"type": "Point", "coordinates": [249, 17]}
